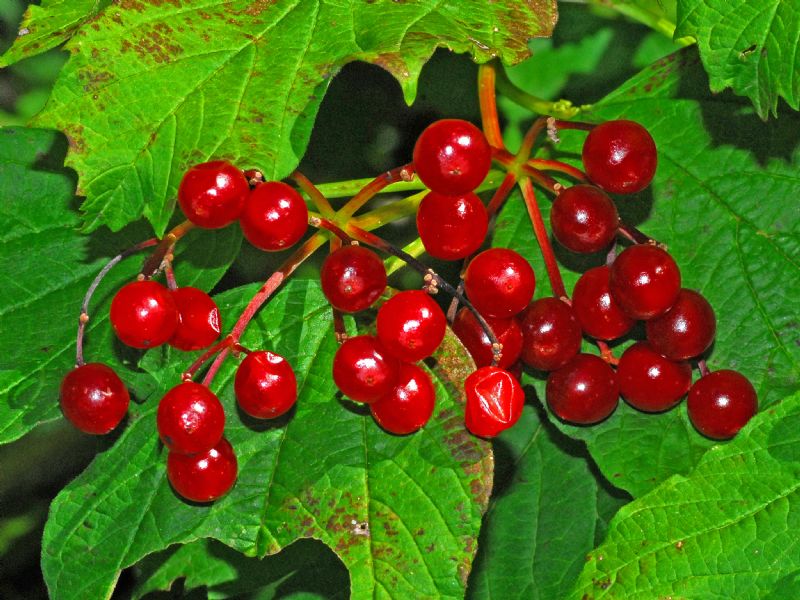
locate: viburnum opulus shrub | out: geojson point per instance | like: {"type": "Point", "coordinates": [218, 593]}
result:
{"type": "Point", "coordinates": [550, 351]}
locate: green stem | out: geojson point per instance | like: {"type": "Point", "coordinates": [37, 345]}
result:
{"type": "Point", "coordinates": [563, 109]}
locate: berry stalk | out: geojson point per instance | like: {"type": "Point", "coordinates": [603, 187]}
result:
{"type": "Point", "coordinates": [83, 319]}
{"type": "Point", "coordinates": [153, 263]}
{"type": "Point", "coordinates": [487, 98]}
{"type": "Point", "coordinates": [550, 262]}
{"type": "Point", "coordinates": [404, 173]}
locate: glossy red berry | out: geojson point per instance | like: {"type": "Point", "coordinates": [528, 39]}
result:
{"type": "Point", "coordinates": [584, 219]}
{"type": "Point", "coordinates": [411, 325]}
{"type": "Point", "coordinates": [451, 227]}
{"type": "Point", "coordinates": [620, 156]}
{"type": "Point", "coordinates": [93, 398]}
{"type": "Point", "coordinates": [190, 418]}
{"type": "Point", "coordinates": [686, 330]}
{"type": "Point", "coordinates": [352, 278]}
{"type": "Point", "coordinates": [597, 311]}
{"type": "Point", "coordinates": [551, 335]}
{"type": "Point", "coordinates": [206, 476]}
{"type": "Point", "coordinates": [494, 401]}
{"type": "Point", "coordinates": [452, 156]}
{"type": "Point", "coordinates": [471, 334]}
{"type": "Point", "coordinates": [143, 314]}
{"type": "Point", "coordinates": [409, 404]}
{"type": "Point", "coordinates": [212, 194]}
{"type": "Point", "coordinates": [644, 281]}
{"type": "Point", "coordinates": [265, 385]}
{"type": "Point", "coordinates": [198, 319]}
{"type": "Point", "coordinates": [499, 282]}
{"type": "Point", "coordinates": [721, 403]}
{"type": "Point", "coordinates": [275, 216]}
{"type": "Point", "coordinates": [650, 382]}
{"type": "Point", "coordinates": [363, 370]}
{"type": "Point", "coordinates": [584, 391]}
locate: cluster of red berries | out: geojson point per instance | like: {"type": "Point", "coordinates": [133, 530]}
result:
{"type": "Point", "coordinates": [201, 464]}
{"type": "Point", "coordinates": [643, 283]}
{"type": "Point", "coordinates": [500, 324]}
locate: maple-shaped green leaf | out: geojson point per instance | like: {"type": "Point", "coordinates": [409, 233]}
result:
{"type": "Point", "coordinates": [306, 567]}
{"type": "Point", "coordinates": [47, 25]}
{"type": "Point", "coordinates": [401, 512]}
{"type": "Point", "coordinates": [748, 45]}
{"type": "Point", "coordinates": [154, 87]}
{"type": "Point", "coordinates": [48, 268]}
{"type": "Point", "coordinates": [543, 516]}
{"type": "Point", "coordinates": [724, 200]}
{"type": "Point", "coordinates": [726, 530]}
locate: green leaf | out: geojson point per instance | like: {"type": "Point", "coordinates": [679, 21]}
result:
{"type": "Point", "coordinates": [306, 566]}
{"type": "Point", "coordinates": [152, 88]}
{"type": "Point", "coordinates": [748, 45]}
{"type": "Point", "coordinates": [724, 200]}
{"type": "Point", "coordinates": [541, 521]}
{"type": "Point", "coordinates": [727, 530]}
{"type": "Point", "coordinates": [49, 267]}
{"type": "Point", "coordinates": [401, 512]}
{"type": "Point", "coordinates": [45, 27]}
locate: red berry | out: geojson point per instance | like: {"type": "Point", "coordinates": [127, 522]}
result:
{"type": "Point", "coordinates": [352, 278]}
{"type": "Point", "coordinates": [265, 385]}
{"type": "Point", "coordinates": [584, 391]}
{"type": "Point", "coordinates": [275, 216]}
{"type": "Point", "coordinates": [143, 314]}
{"type": "Point", "coordinates": [190, 418]}
{"type": "Point", "coordinates": [651, 382]}
{"type": "Point", "coordinates": [551, 335]}
{"type": "Point", "coordinates": [198, 319]}
{"type": "Point", "coordinates": [494, 401]}
{"type": "Point", "coordinates": [620, 157]}
{"type": "Point", "coordinates": [203, 477]}
{"type": "Point", "coordinates": [212, 194]}
{"type": "Point", "coordinates": [597, 311]}
{"type": "Point", "coordinates": [363, 370]}
{"type": "Point", "coordinates": [584, 219]}
{"type": "Point", "coordinates": [411, 325]}
{"type": "Point", "coordinates": [499, 282]}
{"type": "Point", "coordinates": [93, 398]}
{"type": "Point", "coordinates": [408, 406]}
{"type": "Point", "coordinates": [686, 330]}
{"type": "Point", "coordinates": [451, 227]}
{"type": "Point", "coordinates": [645, 281]}
{"type": "Point", "coordinates": [452, 156]}
{"type": "Point", "coordinates": [721, 403]}
{"type": "Point", "coordinates": [471, 334]}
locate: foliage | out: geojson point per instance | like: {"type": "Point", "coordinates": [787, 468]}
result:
{"type": "Point", "coordinates": [151, 87]}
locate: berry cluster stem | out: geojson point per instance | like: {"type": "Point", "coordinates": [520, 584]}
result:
{"type": "Point", "coordinates": [403, 173]}
{"type": "Point", "coordinates": [550, 262]}
{"type": "Point", "coordinates": [166, 245]}
{"type": "Point", "coordinates": [257, 301]}
{"type": "Point", "coordinates": [488, 105]}
{"type": "Point", "coordinates": [83, 318]}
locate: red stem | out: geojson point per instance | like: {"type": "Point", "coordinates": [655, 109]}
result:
{"type": "Point", "coordinates": [404, 173]}
{"type": "Point", "coordinates": [704, 370]}
{"type": "Point", "coordinates": [606, 354]}
{"type": "Point", "coordinates": [165, 246]}
{"type": "Point", "coordinates": [189, 373]}
{"type": "Point", "coordinates": [573, 125]}
{"type": "Point", "coordinates": [317, 198]}
{"type": "Point", "coordinates": [500, 196]}
{"type": "Point", "coordinates": [488, 105]}
{"type": "Point", "coordinates": [556, 165]}
{"type": "Point", "coordinates": [544, 240]}
{"type": "Point", "coordinates": [263, 294]}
